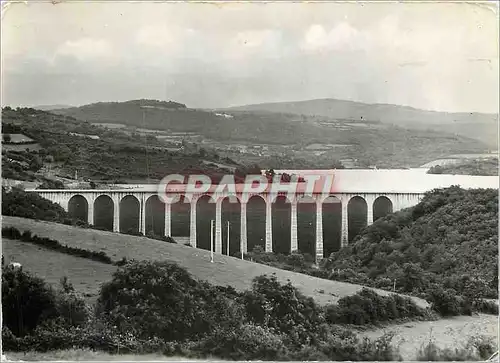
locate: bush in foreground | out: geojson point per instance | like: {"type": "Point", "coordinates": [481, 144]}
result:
{"type": "Point", "coordinates": [28, 302]}
{"type": "Point", "coordinates": [161, 299]}
{"type": "Point", "coordinates": [367, 307]}
{"type": "Point", "coordinates": [158, 307]}
{"type": "Point", "coordinates": [476, 349]}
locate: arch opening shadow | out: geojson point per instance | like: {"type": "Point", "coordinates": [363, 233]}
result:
{"type": "Point", "coordinates": [205, 212]}
{"type": "Point", "coordinates": [256, 223]}
{"type": "Point", "coordinates": [155, 216]}
{"type": "Point", "coordinates": [281, 224]}
{"type": "Point", "coordinates": [382, 206]}
{"type": "Point", "coordinates": [180, 217]}
{"type": "Point", "coordinates": [332, 225]}
{"type": "Point", "coordinates": [231, 212]}
{"type": "Point", "coordinates": [357, 216]}
{"type": "Point", "coordinates": [306, 225]}
{"type": "Point", "coordinates": [103, 213]}
{"type": "Point", "coordinates": [78, 208]}
{"type": "Point", "coordinates": [129, 215]}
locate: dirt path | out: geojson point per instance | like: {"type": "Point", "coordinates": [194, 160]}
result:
{"type": "Point", "coordinates": [446, 333]}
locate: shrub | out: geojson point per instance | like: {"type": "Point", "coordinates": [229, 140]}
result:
{"type": "Point", "coordinates": [26, 301]}
{"type": "Point", "coordinates": [11, 232]}
{"type": "Point", "coordinates": [486, 307]}
{"type": "Point", "coordinates": [343, 345]}
{"type": "Point", "coordinates": [71, 306]}
{"type": "Point", "coordinates": [282, 308]}
{"type": "Point", "coordinates": [476, 348]}
{"type": "Point", "coordinates": [161, 299]}
{"type": "Point", "coordinates": [56, 335]}
{"type": "Point", "coordinates": [367, 307]}
{"type": "Point", "coordinates": [19, 203]}
{"type": "Point", "coordinates": [446, 303]}
{"type": "Point", "coordinates": [248, 342]}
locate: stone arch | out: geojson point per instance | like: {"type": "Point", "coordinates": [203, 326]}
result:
{"type": "Point", "coordinates": [231, 212]}
{"type": "Point", "coordinates": [281, 224]}
{"type": "Point", "coordinates": [254, 196]}
{"type": "Point", "coordinates": [306, 225]}
{"type": "Point", "coordinates": [130, 211]}
{"type": "Point", "coordinates": [180, 212]}
{"type": "Point", "coordinates": [155, 216]}
{"type": "Point", "coordinates": [78, 207]}
{"type": "Point", "coordinates": [256, 222]}
{"type": "Point", "coordinates": [357, 212]}
{"type": "Point", "coordinates": [281, 196]}
{"type": "Point", "coordinates": [332, 225]}
{"type": "Point", "coordinates": [103, 212]}
{"type": "Point", "coordinates": [205, 213]}
{"type": "Point", "coordinates": [382, 206]}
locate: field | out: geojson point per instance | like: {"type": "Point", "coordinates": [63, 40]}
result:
{"type": "Point", "coordinates": [85, 275]}
{"type": "Point", "coordinates": [224, 271]}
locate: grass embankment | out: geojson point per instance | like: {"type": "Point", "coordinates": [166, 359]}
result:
{"type": "Point", "coordinates": [86, 275]}
{"type": "Point", "coordinates": [224, 271]}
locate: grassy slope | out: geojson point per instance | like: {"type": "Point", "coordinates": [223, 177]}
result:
{"type": "Point", "coordinates": [224, 271]}
{"type": "Point", "coordinates": [85, 275]}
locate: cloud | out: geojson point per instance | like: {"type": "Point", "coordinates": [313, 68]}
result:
{"type": "Point", "coordinates": [157, 36]}
{"type": "Point", "coordinates": [262, 43]}
{"type": "Point", "coordinates": [341, 37]}
{"type": "Point", "coordinates": [85, 49]}
{"type": "Point", "coordinates": [432, 55]}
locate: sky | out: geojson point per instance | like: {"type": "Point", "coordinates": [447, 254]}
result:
{"type": "Point", "coordinates": [435, 56]}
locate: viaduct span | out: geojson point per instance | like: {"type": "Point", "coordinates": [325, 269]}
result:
{"type": "Point", "coordinates": [378, 192]}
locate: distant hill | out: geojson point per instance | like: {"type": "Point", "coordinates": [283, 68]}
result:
{"type": "Point", "coordinates": [387, 113]}
{"type": "Point", "coordinates": [369, 142]}
{"type": "Point", "coordinates": [51, 107]}
{"type": "Point", "coordinates": [143, 113]}
{"type": "Point", "coordinates": [481, 126]}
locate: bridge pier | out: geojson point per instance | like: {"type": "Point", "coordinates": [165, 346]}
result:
{"type": "Point", "coordinates": [218, 226]}
{"type": "Point", "coordinates": [168, 220]}
{"type": "Point", "coordinates": [344, 234]}
{"type": "Point", "coordinates": [319, 231]}
{"type": "Point", "coordinates": [293, 226]}
{"type": "Point", "coordinates": [90, 218]}
{"type": "Point", "coordinates": [269, 226]}
{"type": "Point", "coordinates": [243, 228]}
{"type": "Point", "coordinates": [192, 222]}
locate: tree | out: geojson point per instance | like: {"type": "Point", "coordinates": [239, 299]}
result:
{"type": "Point", "coordinates": [35, 163]}
{"type": "Point", "coordinates": [270, 174]}
{"type": "Point", "coordinates": [337, 164]}
{"type": "Point", "coordinates": [285, 178]}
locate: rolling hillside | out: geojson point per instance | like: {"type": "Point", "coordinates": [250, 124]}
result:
{"type": "Point", "coordinates": [224, 271]}
{"type": "Point", "coordinates": [478, 125]}
{"type": "Point", "coordinates": [369, 143]}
